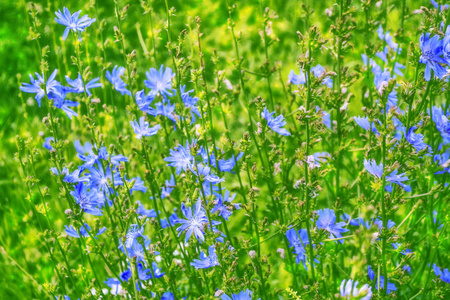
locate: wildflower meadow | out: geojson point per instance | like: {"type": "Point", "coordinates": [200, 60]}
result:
{"type": "Point", "coordinates": [259, 149]}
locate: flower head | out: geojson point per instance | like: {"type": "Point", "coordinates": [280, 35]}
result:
{"type": "Point", "coordinates": [244, 295]}
{"type": "Point", "coordinates": [190, 103]}
{"type": "Point", "coordinates": [47, 144]}
{"type": "Point", "coordinates": [443, 275]}
{"type": "Point", "coordinates": [227, 165]}
{"type": "Point", "coordinates": [117, 81]}
{"type": "Point", "coordinates": [327, 221]}
{"type": "Point", "coordinates": [143, 128]}
{"type": "Point", "coordinates": [298, 240]}
{"type": "Point", "coordinates": [160, 82]}
{"type": "Point", "coordinates": [432, 49]}
{"type": "Point", "coordinates": [390, 286]}
{"type": "Point", "coordinates": [83, 231]}
{"type": "Point", "coordinates": [77, 85]}
{"type": "Point", "coordinates": [275, 124]}
{"type": "Point", "coordinates": [35, 87]}
{"type": "Point", "coordinates": [318, 71]}
{"type": "Point", "coordinates": [181, 158]}
{"type": "Point", "coordinates": [206, 262]}
{"type": "Point", "coordinates": [297, 79]}
{"type": "Point", "coordinates": [164, 108]}
{"type": "Point", "coordinates": [224, 205]}
{"type": "Point", "coordinates": [350, 290]}
{"type": "Point", "coordinates": [144, 101]}
{"type": "Point", "coordinates": [89, 200]}
{"type": "Point", "coordinates": [194, 222]}
{"type": "Point", "coordinates": [374, 169]}
{"type": "Point", "coordinates": [73, 22]}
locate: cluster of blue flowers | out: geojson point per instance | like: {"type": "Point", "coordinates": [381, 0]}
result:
{"type": "Point", "coordinates": [101, 178]}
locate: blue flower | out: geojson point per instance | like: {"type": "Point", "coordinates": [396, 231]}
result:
{"type": "Point", "coordinates": [446, 45]}
{"type": "Point", "coordinates": [397, 178]}
{"type": "Point", "coordinates": [193, 223]}
{"type": "Point", "coordinates": [442, 123]}
{"type": "Point", "coordinates": [388, 38]}
{"type": "Point", "coordinates": [367, 62]}
{"type": "Point", "coordinates": [132, 247]}
{"type": "Point", "coordinates": [404, 251]}
{"type": "Point", "coordinates": [354, 222]}
{"type": "Point", "coordinates": [390, 286]}
{"type": "Point", "coordinates": [325, 117]}
{"type": "Point", "coordinates": [71, 231]}
{"type": "Point", "coordinates": [327, 221]}
{"type": "Point", "coordinates": [35, 87]}
{"type": "Point", "coordinates": [57, 93]}
{"type": "Point", "coordinates": [64, 105]}
{"type": "Point", "coordinates": [90, 200]}
{"type": "Point", "coordinates": [374, 169]}
{"type": "Point", "coordinates": [116, 159]}
{"type": "Point", "coordinates": [47, 144]}
{"type": "Point", "coordinates": [73, 21]}
{"type": "Point", "coordinates": [164, 108]}
{"type": "Point", "coordinates": [379, 222]}
{"type": "Point", "coordinates": [53, 86]}
{"type": "Point", "coordinates": [98, 178]}
{"type": "Point", "coordinates": [297, 79]}
{"type": "Point", "coordinates": [173, 220]}
{"type": "Point", "coordinates": [114, 284]}
{"type": "Point", "coordinates": [432, 49]}
{"type": "Point", "coordinates": [436, 221]}
{"type": "Point", "coordinates": [416, 139]}
{"type": "Point", "coordinates": [138, 185]}
{"type": "Point", "coordinates": [181, 158]}
{"type": "Point", "coordinates": [443, 275]}
{"type": "Point", "coordinates": [86, 154]}
{"type": "Point", "coordinates": [117, 81]}
{"type": "Point", "coordinates": [318, 71]}
{"type": "Point", "coordinates": [383, 55]}
{"type": "Point", "coordinates": [141, 210]}
{"type": "Point", "coordinates": [440, 7]}
{"type": "Point", "coordinates": [144, 101]}
{"type": "Point", "coordinates": [227, 165]}
{"type": "Point", "coordinates": [381, 78]}
{"type": "Point", "coordinates": [407, 268]}
{"type": "Point", "coordinates": [205, 173]}
{"type": "Point", "coordinates": [133, 233]}
{"type": "Point", "coordinates": [441, 159]}
{"type": "Point", "coordinates": [77, 85]}
{"type": "Point", "coordinates": [320, 157]}
{"type": "Point", "coordinates": [160, 82]}
{"type": "Point", "coordinates": [190, 102]}
{"type": "Point", "coordinates": [350, 289]}
{"type": "Point", "coordinates": [167, 296]}
{"type": "Point", "coordinates": [206, 262]}
{"type": "Point", "coordinates": [142, 275]}
{"type": "Point", "coordinates": [244, 295]}
{"type": "Point", "coordinates": [223, 205]}
{"type": "Point", "coordinates": [397, 68]}
{"type": "Point", "coordinates": [298, 240]}
{"type": "Point", "coordinates": [73, 177]}
{"type": "Point", "coordinates": [275, 124]}
{"type": "Point", "coordinates": [377, 171]}
{"type": "Point", "coordinates": [168, 188]}
{"type": "Point", "coordinates": [143, 128]}
{"type": "Point", "coordinates": [363, 122]}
